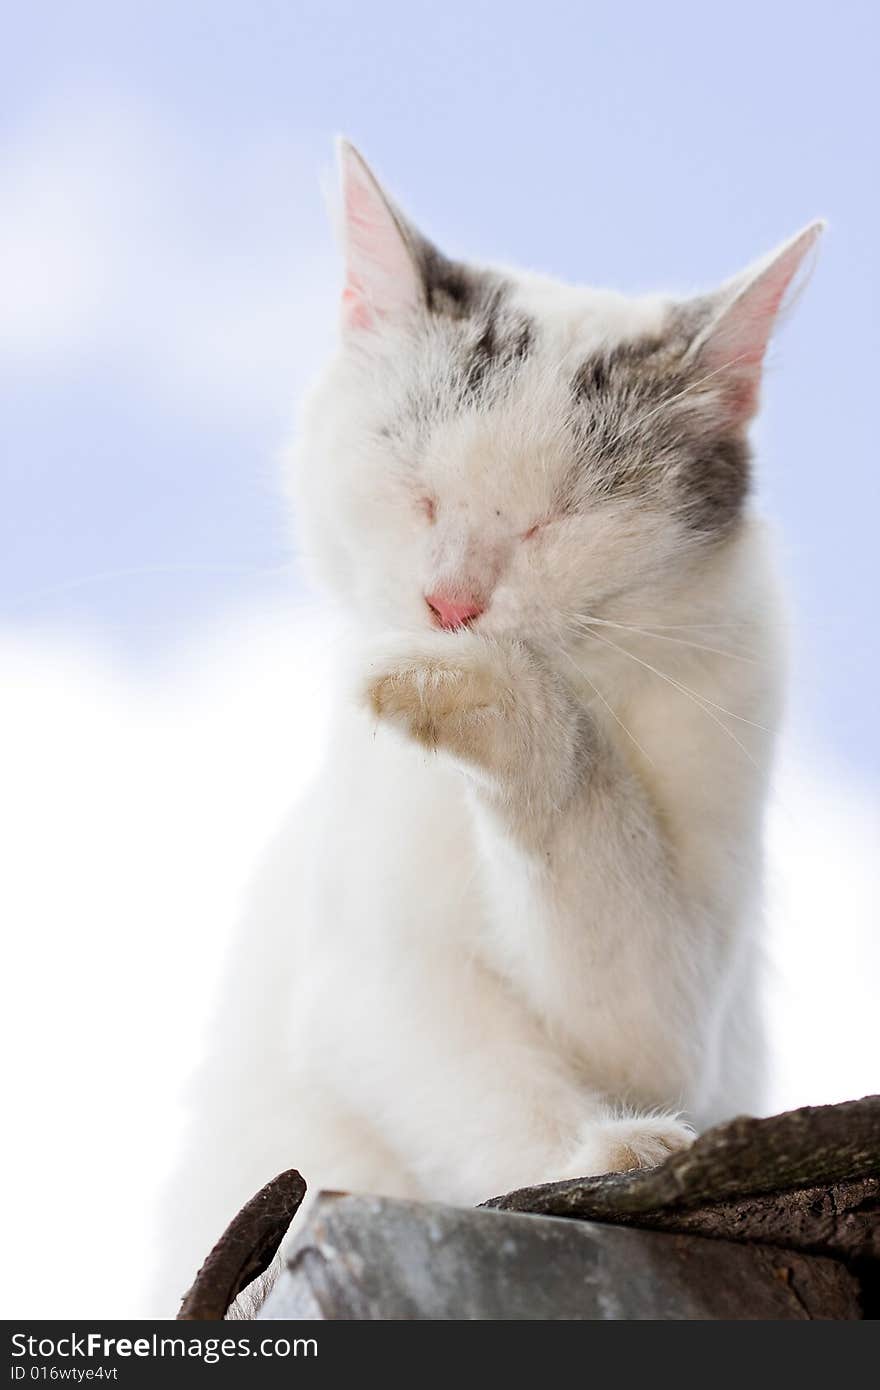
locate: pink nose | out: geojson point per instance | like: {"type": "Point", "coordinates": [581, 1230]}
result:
{"type": "Point", "coordinates": [453, 612]}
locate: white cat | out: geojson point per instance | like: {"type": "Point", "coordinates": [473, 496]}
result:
{"type": "Point", "coordinates": [512, 935]}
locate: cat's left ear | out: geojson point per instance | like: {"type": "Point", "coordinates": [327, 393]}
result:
{"type": "Point", "coordinates": [382, 279]}
{"type": "Point", "coordinates": [743, 315]}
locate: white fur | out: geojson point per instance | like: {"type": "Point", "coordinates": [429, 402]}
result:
{"type": "Point", "coordinates": [512, 935]}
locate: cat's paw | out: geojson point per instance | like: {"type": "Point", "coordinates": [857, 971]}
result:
{"type": "Point", "coordinates": [496, 708]}
{"type": "Point", "coordinates": [620, 1145]}
{"type": "Point", "coordinates": [441, 692]}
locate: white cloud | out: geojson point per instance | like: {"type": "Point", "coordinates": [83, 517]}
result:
{"type": "Point", "coordinates": [58, 259]}
{"type": "Point", "coordinates": [824, 946]}
{"type": "Point", "coordinates": [130, 820]}
{"type": "Point", "coordinates": [132, 817]}
{"type": "Point", "coordinates": [120, 241]}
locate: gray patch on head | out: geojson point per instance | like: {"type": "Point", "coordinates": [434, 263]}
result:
{"type": "Point", "coordinates": [498, 343]}
{"type": "Point", "coordinates": [499, 335]}
{"type": "Point", "coordinates": [452, 288]}
{"type": "Point", "coordinates": [487, 339]}
{"type": "Point", "coordinates": [715, 482]}
{"type": "Point", "coordinates": [649, 428]}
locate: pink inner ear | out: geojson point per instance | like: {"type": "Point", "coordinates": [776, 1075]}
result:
{"type": "Point", "coordinates": [745, 335]}
{"type": "Point", "coordinates": [380, 276]}
{"type": "Point", "coordinates": [364, 243]}
{"type": "Point", "coordinates": [365, 215]}
{"type": "Point", "coordinates": [355, 309]}
{"type": "Point", "coordinates": [737, 341]}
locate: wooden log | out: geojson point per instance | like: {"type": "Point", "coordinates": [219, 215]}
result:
{"type": "Point", "coordinates": [370, 1258]}
{"type": "Point", "coordinates": [246, 1248]}
{"type": "Point", "coordinates": [815, 1147]}
{"type": "Point", "coordinates": [806, 1183]}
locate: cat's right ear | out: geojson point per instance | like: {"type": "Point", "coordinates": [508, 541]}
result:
{"type": "Point", "coordinates": [743, 315]}
{"type": "Point", "coordinates": [382, 281]}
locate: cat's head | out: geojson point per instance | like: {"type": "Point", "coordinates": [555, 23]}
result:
{"type": "Point", "coordinates": [499, 449]}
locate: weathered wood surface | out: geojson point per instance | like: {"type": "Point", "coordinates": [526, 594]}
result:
{"type": "Point", "coordinates": [842, 1220]}
{"type": "Point", "coordinates": [808, 1179]}
{"type": "Point", "coordinates": [370, 1258]}
{"type": "Point", "coordinates": [246, 1248]}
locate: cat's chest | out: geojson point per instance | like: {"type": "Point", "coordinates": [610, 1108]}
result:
{"type": "Point", "coordinates": [401, 827]}
{"type": "Point", "coordinates": [702, 767]}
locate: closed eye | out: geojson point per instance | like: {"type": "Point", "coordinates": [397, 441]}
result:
{"type": "Point", "coordinates": [560, 514]}
{"type": "Point", "coordinates": [534, 529]}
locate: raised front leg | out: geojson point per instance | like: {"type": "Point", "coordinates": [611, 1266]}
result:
{"type": "Point", "coordinates": [580, 892]}
{"type": "Point", "coordinates": [496, 708]}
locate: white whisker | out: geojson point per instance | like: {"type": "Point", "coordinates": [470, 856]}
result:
{"type": "Point", "coordinates": [664, 637]}
{"type": "Point", "coordinates": [685, 690]}
{"type": "Point", "coordinates": [614, 715]}
{"type": "Point", "coordinates": [704, 699]}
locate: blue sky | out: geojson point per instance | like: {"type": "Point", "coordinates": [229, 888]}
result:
{"type": "Point", "coordinates": [172, 280]}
